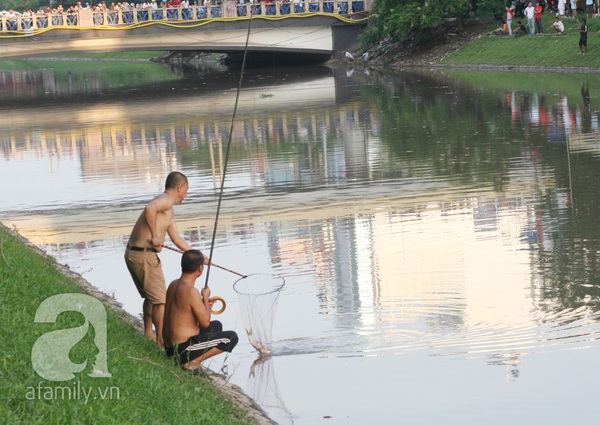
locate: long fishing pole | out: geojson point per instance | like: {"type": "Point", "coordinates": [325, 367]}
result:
{"type": "Point", "coordinates": [210, 263]}
{"type": "Point", "coordinates": [237, 97]}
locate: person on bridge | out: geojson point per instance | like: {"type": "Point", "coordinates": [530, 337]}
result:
{"type": "Point", "coordinates": [145, 242]}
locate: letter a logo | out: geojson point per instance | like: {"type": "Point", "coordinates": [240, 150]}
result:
{"type": "Point", "coordinates": [50, 352]}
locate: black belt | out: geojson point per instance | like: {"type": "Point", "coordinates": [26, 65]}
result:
{"type": "Point", "coordinates": [137, 248]}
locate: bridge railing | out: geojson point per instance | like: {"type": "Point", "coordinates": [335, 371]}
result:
{"type": "Point", "coordinates": [229, 9]}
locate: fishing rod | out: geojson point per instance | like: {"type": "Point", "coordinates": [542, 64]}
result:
{"type": "Point", "coordinates": [227, 150]}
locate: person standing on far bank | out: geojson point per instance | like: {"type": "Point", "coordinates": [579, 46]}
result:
{"type": "Point", "coordinates": [509, 15]}
{"type": "Point", "coordinates": [145, 242]}
{"type": "Point", "coordinates": [538, 12]}
{"type": "Point", "coordinates": [562, 6]}
{"type": "Point", "coordinates": [589, 8]}
{"type": "Point", "coordinates": [583, 29]}
{"type": "Point", "coordinates": [529, 14]}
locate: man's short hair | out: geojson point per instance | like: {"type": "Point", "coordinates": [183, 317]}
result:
{"type": "Point", "coordinates": [174, 179]}
{"type": "Point", "coordinates": [191, 260]}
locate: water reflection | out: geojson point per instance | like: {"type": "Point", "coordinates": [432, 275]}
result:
{"type": "Point", "coordinates": [452, 224]}
{"type": "Point", "coordinates": [262, 387]}
{"type": "Point", "coordinates": [43, 81]}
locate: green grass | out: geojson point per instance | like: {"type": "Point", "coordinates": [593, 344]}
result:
{"type": "Point", "coordinates": [144, 54]}
{"type": "Point", "coordinates": [145, 388]}
{"type": "Point", "coordinates": [78, 73]}
{"type": "Point", "coordinates": [539, 50]}
{"type": "Point", "coordinates": [108, 68]}
{"type": "Point", "coordinates": [551, 84]}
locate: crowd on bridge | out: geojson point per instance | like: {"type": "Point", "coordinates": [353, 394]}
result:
{"type": "Point", "coordinates": [115, 13]}
{"type": "Point", "coordinates": [125, 6]}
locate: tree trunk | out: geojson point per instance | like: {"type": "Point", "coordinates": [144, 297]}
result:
{"type": "Point", "coordinates": [460, 25]}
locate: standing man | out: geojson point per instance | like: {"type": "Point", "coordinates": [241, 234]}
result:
{"type": "Point", "coordinates": [538, 12]}
{"type": "Point", "coordinates": [509, 15]}
{"type": "Point", "coordinates": [189, 334]}
{"type": "Point", "coordinates": [562, 5]}
{"type": "Point", "coordinates": [589, 8]}
{"type": "Point", "coordinates": [145, 242]}
{"type": "Point", "coordinates": [529, 14]}
{"type": "Point", "coordinates": [583, 37]}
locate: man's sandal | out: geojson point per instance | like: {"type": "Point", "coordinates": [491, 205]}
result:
{"type": "Point", "coordinates": [194, 372]}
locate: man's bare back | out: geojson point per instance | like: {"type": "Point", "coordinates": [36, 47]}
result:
{"type": "Point", "coordinates": [185, 311]}
{"type": "Point", "coordinates": [146, 239]}
{"type": "Point", "coordinates": [189, 335]}
{"type": "Point", "coordinates": [159, 212]}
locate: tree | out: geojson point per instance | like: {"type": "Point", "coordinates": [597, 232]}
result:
{"type": "Point", "coordinates": [395, 19]}
{"type": "Point", "coordinates": [23, 5]}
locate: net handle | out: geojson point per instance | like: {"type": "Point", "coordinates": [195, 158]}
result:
{"type": "Point", "coordinates": [210, 264]}
{"type": "Point", "coordinates": [223, 305]}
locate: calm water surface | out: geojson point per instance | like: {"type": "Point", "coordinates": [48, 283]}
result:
{"type": "Point", "coordinates": [439, 234]}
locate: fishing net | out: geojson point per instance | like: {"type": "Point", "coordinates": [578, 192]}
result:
{"type": "Point", "coordinates": [257, 296]}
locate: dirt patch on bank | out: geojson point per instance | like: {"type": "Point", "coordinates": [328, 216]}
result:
{"type": "Point", "coordinates": [423, 57]}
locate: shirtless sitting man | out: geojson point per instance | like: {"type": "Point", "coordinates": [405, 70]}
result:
{"type": "Point", "coordinates": [189, 335]}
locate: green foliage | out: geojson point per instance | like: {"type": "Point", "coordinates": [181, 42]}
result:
{"type": "Point", "coordinates": [394, 19]}
{"type": "Point", "coordinates": [487, 9]}
{"type": "Point", "coordinates": [23, 5]}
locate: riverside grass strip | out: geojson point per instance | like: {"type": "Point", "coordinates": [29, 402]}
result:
{"type": "Point", "coordinates": [546, 50]}
{"type": "Point", "coordinates": [552, 85]}
{"type": "Point", "coordinates": [145, 388]}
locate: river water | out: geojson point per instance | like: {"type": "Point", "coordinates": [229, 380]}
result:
{"type": "Point", "coordinates": [438, 232]}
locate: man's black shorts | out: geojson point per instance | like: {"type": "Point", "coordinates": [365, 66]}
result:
{"type": "Point", "coordinates": [196, 346]}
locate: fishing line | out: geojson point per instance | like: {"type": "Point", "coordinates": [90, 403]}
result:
{"type": "Point", "coordinates": [221, 190]}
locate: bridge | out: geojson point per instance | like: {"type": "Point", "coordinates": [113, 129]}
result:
{"type": "Point", "coordinates": [316, 28]}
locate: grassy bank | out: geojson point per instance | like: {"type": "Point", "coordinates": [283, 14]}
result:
{"type": "Point", "coordinates": [133, 55]}
{"type": "Point", "coordinates": [547, 50]}
{"type": "Point", "coordinates": [144, 388]}
{"type": "Point", "coordinates": [554, 85]}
